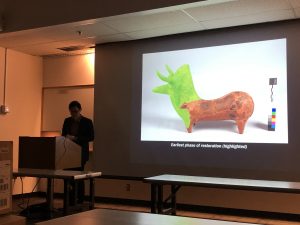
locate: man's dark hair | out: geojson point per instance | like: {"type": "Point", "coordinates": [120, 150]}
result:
{"type": "Point", "coordinates": [74, 104]}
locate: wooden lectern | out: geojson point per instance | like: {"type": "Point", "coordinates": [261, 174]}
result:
{"type": "Point", "coordinates": [48, 153]}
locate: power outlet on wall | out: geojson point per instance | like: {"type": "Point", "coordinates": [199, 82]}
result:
{"type": "Point", "coordinates": [4, 109]}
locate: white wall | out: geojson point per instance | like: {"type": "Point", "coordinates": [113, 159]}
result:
{"type": "Point", "coordinates": [24, 98]}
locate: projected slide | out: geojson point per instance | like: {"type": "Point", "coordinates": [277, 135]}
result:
{"type": "Point", "coordinates": [231, 93]}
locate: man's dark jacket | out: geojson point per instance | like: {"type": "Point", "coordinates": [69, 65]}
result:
{"type": "Point", "coordinates": [85, 135]}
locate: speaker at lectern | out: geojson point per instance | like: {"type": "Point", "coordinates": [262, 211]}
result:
{"type": "Point", "coordinates": [48, 153]}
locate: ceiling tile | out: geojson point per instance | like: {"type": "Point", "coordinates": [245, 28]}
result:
{"type": "Point", "coordinates": [38, 51]}
{"type": "Point", "coordinates": [54, 33]}
{"type": "Point", "coordinates": [22, 39]}
{"type": "Point", "coordinates": [70, 31]}
{"type": "Point", "coordinates": [95, 29]}
{"type": "Point", "coordinates": [236, 8]}
{"type": "Point", "coordinates": [210, 14]}
{"type": "Point", "coordinates": [111, 38]}
{"type": "Point", "coordinates": [37, 36]}
{"type": "Point", "coordinates": [58, 33]}
{"type": "Point", "coordinates": [182, 28]}
{"type": "Point", "coordinates": [82, 41]}
{"type": "Point", "coordinates": [250, 19]}
{"type": "Point", "coordinates": [52, 47]}
{"type": "Point", "coordinates": [148, 21]}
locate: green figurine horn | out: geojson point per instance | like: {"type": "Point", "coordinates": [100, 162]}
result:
{"type": "Point", "coordinates": [180, 88]}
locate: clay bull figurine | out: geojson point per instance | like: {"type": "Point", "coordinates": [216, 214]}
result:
{"type": "Point", "coordinates": [237, 106]}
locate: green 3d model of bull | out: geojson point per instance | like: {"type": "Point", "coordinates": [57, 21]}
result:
{"type": "Point", "coordinates": [237, 106]}
{"type": "Point", "coordinates": [180, 88]}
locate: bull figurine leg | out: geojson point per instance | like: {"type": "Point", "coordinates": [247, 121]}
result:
{"type": "Point", "coordinates": [192, 124]}
{"type": "Point", "coordinates": [190, 128]}
{"type": "Point", "coordinates": [241, 125]}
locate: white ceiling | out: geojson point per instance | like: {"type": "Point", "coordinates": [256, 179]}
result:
{"type": "Point", "coordinates": [204, 15]}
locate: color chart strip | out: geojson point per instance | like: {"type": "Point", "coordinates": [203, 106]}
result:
{"type": "Point", "coordinates": [272, 120]}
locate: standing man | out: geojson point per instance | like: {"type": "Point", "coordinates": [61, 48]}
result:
{"type": "Point", "coordinates": [80, 130]}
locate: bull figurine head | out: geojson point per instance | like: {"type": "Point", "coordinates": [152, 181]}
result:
{"type": "Point", "coordinates": [180, 87]}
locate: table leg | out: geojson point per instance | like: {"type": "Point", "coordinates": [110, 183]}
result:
{"type": "Point", "coordinates": [160, 199]}
{"type": "Point", "coordinates": [75, 192]}
{"type": "Point", "coordinates": [92, 193]}
{"type": "Point", "coordinates": [153, 198]}
{"type": "Point", "coordinates": [173, 199]}
{"type": "Point", "coordinates": [66, 196]}
{"type": "Point", "coordinates": [50, 195]}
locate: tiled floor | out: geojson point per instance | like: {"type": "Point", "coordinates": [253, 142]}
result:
{"type": "Point", "coordinates": [58, 204]}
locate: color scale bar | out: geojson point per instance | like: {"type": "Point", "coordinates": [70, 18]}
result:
{"type": "Point", "coordinates": [272, 120]}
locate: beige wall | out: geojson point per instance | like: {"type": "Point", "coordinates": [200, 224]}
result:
{"type": "Point", "coordinates": [68, 71]}
{"type": "Point", "coordinates": [56, 101]}
{"type": "Point", "coordinates": [1, 74]}
{"type": "Point", "coordinates": [23, 96]}
{"type": "Point", "coordinates": [65, 71]}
